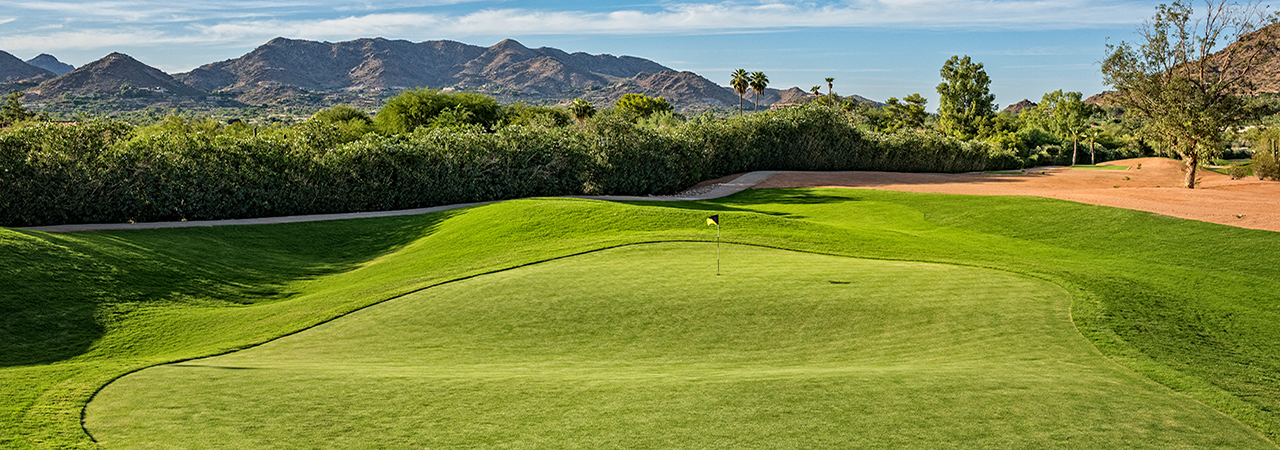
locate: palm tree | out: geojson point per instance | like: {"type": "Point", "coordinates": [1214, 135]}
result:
{"type": "Point", "coordinates": [582, 109]}
{"type": "Point", "coordinates": [1093, 134]}
{"type": "Point", "coordinates": [740, 81]}
{"type": "Point", "coordinates": [758, 82]}
{"type": "Point", "coordinates": [815, 90]}
{"type": "Point", "coordinates": [830, 85]}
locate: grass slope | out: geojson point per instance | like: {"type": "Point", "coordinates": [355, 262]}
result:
{"type": "Point", "coordinates": [1189, 304]}
{"type": "Point", "coordinates": [645, 347]}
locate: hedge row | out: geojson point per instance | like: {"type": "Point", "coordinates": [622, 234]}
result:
{"type": "Point", "coordinates": [102, 173]}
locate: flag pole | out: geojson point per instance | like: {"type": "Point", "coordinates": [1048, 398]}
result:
{"type": "Point", "coordinates": [716, 220]}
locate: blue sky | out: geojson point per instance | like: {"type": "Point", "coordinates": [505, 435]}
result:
{"type": "Point", "coordinates": [874, 48]}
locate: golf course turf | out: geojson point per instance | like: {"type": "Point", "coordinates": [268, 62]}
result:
{"type": "Point", "coordinates": [843, 316]}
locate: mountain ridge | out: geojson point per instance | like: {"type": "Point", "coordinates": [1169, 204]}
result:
{"type": "Point", "coordinates": [13, 69]}
{"type": "Point", "coordinates": [49, 62]}
{"type": "Point", "coordinates": [363, 72]}
{"type": "Point", "coordinates": [114, 74]}
{"type": "Point", "coordinates": [375, 64]}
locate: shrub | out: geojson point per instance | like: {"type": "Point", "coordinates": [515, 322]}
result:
{"type": "Point", "coordinates": [629, 160]}
{"type": "Point", "coordinates": [1237, 171]}
{"type": "Point", "coordinates": [109, 172]}
{"type": "Point", "coordinates": [416, 108]}
{"type": "Point", "coordinates": [541, 116]}
{"type": "Point", "coordinates": [641, 105]}
{"type": "Point", "coordinates": [1266, 165]}
{"type": "Point", "coordinates": [342, 114]}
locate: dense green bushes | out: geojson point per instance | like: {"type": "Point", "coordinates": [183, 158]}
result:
{"type": "Point", "coordinates": [430, 108]}
{"type": "Point", "coordinates": [817, 138]}
{"type": "Point", "coordinates": [105, 172]}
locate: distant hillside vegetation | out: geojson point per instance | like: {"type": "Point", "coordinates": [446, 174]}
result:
{"type": "Point", "coordinates": [116, 74]}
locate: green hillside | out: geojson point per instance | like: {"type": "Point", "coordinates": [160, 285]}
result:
{"type": "Point", "coordinates": [978, 351]}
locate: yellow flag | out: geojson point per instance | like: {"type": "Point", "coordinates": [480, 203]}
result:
{"type": "Point", "coordinates": [713, 220]}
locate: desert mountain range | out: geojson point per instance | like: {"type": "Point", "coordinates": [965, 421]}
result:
{"type": "Point", "coordinates": [13, 69]}
{"type": "Point", "coordinates": [364, 70]}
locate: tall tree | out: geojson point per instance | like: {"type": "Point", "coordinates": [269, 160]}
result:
{"type": "Point", "coordinates": [1187, 95]}
{"type": "Point", "coordinates": [830, 85]}
{"type": "Point", "coordinates": [13, 111]}
{"type": "Point", "coordinates": [740, 81]}
{"type": "Point", "coordinates": [1065, 115]}
{"type": "Point", "coordinates": [1093, 134]}
{"type": "Point", "coordinates": [966, 106]}
{"type": "Point", "coordinates": [907, 114]}
{"type": "Point", "coordinates": [758, 84]}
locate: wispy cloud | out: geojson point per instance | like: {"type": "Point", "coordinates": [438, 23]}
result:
{"type": "Point", "coordinates": [90, 39]}
{"type": "Point", "coordinates": [238, 22]}
{"type": "Point", "coordinates": [1029, 51]}
{"type": "Point", "coordinates": [702, 18]}
{"type": "Point", "coordinates": [153, 11]}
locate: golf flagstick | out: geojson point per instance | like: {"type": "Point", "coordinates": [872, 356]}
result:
{"type": "Point", "coordinates": [716, 220]}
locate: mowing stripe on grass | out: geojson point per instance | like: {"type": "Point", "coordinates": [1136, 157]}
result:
{"type": "Point", "coordinates": [644, 347]}
{"type": "Point", "coordinates": [87, 307]}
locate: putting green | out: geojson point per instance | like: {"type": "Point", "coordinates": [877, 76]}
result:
{"type": "Point", "coordinates": [645, 347]}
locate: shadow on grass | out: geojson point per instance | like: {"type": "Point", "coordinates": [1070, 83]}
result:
{"type": "Point", "coordinates": [743, 201]}
{"type": "Point", "coordinates": [60, 292]}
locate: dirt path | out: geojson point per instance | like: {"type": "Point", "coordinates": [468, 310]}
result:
{"type": "Point", "coordinates": [1155, 187]}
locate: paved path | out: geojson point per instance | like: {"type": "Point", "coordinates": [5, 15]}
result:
{"type": "Point", "coordinates": [737, 185]}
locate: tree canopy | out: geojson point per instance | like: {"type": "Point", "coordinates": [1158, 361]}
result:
{"type": "Point", "coordinates": [759, 82]}
{"type": "Point", "coordinates": [342, 114]}
{"type": "Point", "coordinates": [581, 109]}
{"type": "Point", "coordinates": [906, 114]}
{"type": "Point", "coordinates": [1064, 114]}
{"type": "Point", "coordinates": [642, 105]}
{"type": "Point", "coordinates": [966, 106]}
{"type": "Point", "coordinates": [525, 114]}
{"type": "Point", "coordinates": [423, 107]}
{"type": "Point", "coordinates": [1186, 94]}
{"type": "Point", "coordinates": [740, 80]}
{"type": "Point", "coordinates": [12, 111]}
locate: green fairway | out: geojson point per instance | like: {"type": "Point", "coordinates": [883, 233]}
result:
{"type": "Point", "coordinates": [1188, 307]}
{"type": "Point", "coordinates": [645, 347]}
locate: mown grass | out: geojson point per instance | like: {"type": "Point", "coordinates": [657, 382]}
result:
{"type": "Point", "coordinates": [646, 347]}
{"type": "Point", "coordinates": [1144, 289]}
{"type": "Point", "coordinates": [1245, 166]}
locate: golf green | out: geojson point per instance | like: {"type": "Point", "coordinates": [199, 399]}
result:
{"type": "Point", "coordinates": [644, 346]}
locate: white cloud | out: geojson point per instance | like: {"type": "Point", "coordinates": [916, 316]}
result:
{"type": "Point", "coordinates": [237, 23]}
{"type": "Point", "coordinates": [150, 11]}
{"type": "Point", "coordinates": [699, 19]}
{"type": "Point", "coordinates": [89, 40]}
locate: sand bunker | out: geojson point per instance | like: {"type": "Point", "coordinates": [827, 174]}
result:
{"type": "Point", "coordinates": [1155, 187]}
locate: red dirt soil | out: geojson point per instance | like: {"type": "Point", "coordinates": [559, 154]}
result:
{"type": "Point", "coordinates": [1155, 187]}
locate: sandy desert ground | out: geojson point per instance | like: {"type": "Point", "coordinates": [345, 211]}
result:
{"type": "Point", "coordinates": [1155, 186]}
